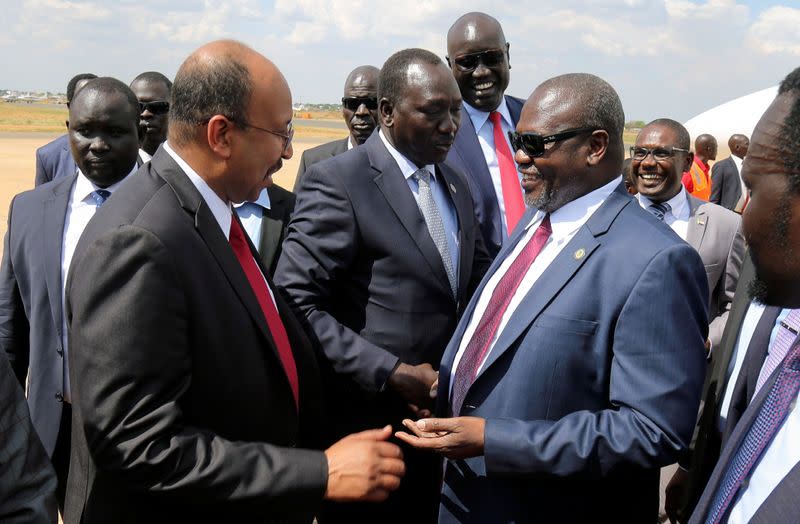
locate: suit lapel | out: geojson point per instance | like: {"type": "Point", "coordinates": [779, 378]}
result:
{"type": "Point", "coordinates": [698, 223]}
{"type": "Point", "coordinates": [395, 190]}
{"type": "Point", "coordinates": [54, 213]}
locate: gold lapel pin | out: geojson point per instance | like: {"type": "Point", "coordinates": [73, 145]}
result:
{"type": "Point", "coordinates": [580, 253]}
{"type": "Point", "coordinates": [700, 221]}
{"type": "Point", "coordinates": [452, 188]}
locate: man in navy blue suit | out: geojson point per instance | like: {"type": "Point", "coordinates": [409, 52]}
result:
{"type": "Point", "coordinates": [575, 372]}
{"type": "Point", "coordinates": [478, 55]}
{"type": "Point", "coordinates": [54, 159]}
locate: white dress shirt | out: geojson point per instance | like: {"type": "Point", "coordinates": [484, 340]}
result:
{"type": "Point", "coordinates": [80, 209]}
{"type": "Point", "coordinates": [251, 214]}
{"type": "Point", "coordinates": [485, 131]}
{"type": "Point", "coordinates": [678, 216]}
{"type": "Point", "coordinates": [144, 156]}
{"type": "Point", "coordinates": [743, 197]}
{"type": "Point", "coordinates": [565, 222]}
{"type": "Point", "coordinates": [440, 194]}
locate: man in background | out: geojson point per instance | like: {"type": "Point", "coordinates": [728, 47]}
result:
{"type": "Point", "coordinates": [697, 180]}
{"type": "Point", "coordinates": [727, 185]}
{"type": "Point", "coordinates": [152, 90]}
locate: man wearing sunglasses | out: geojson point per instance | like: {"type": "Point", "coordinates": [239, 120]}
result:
{"type": "Point", "coordinates": [152, 90]}
{"type": "Point", "coordinates": [478, 55]}
{"type": "Point", "coordinates": [360, 113]}
{"type": "Point", "coordinates": [575, 372]}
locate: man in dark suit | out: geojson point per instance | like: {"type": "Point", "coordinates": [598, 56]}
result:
{"type": "Point", "coordinates": [382, 254]}
{"type": "Point", "coordinates": [360, 113]}
{"type": "Point", "coordinates": [266, 221]}
{"type": "Point", "coordinates": [152, 90]}
{"type": "Point", "coordinates": [54, 159]}
{"type": "Point", "coordinates": [757, 477]}
{"type": "Point", "coordinates": [44, 226]}
{"type": "Point", "coordinates": [478, 55]}
{"type": "Point", "coordinates": [727, 188]}
{"type": "Point", "coordinates": [575, 372]}
{"type": "Point", "coordinates": [194, 386]}
{"type": "Point", "coordinates": [27, 482]}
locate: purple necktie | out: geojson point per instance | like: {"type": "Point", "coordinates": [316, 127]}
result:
{"type": "Point", "coordinates": [476, 348]}
{"type": "Point", "coordinates": [770, 417]}
{"type": "Point", "coordinates": [787, 332]}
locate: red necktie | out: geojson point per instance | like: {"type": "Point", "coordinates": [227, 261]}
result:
{"type": "Point", "coordinates": [259, 285]}
{"type": "Point", "coordinates": [509, 181]}
{"type": "Point", "coordinates": [479, 343]}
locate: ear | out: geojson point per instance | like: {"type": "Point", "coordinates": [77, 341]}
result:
{"type": "Point", "coordinates": [687, 162]}
{"type": "Point", "coordinates": [386, 112]}
{"type": "Point", "coordinates": [598, 146]}
{"type": "Point", "coordinates": [219, 134]}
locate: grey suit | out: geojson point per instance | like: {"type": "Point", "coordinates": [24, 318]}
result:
{"type": "Point", "coordinates": [726, 186]}
{"type": "Point", "coordinates": [317, 154]}
{"type": "Point", "coordinates": [54, 160]}
{"type": "Point", "coordinates": [716, 234]}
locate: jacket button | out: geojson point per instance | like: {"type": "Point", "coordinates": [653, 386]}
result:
{"type": "Point", "coordinates": [59, 397]}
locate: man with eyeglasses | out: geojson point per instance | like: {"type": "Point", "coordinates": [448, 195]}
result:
{"type": "Point", "coordinates": [152, 90]}
{"type": "Point", "coordinates": [575, 372]}
{"type": "Point", "coordinates": [197, 395]}
{"type": "Point", "coordinates": [478, 55]}
{"type": "Point", "coordinates": [360, 113]}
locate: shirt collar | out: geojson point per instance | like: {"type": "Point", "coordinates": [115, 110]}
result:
{"type": "Point", "coordinates": [144, 155]}
{"type": "Point", "coordinates": [262, 200]}
{"type": "Point", "coordinates": [678, 205]}
{"type": "Point", "coordinates": [571, 216]}
{"type": "Point", "coordinates": [479, 117]}
{"type": "Point", "coordinates": [85, 187]}
{"type": "Point", "coordinates": [219, 208]}
{"type": "Point", "coordinates": [738, 161]}
{"type": "Point", "coordinates": [350, 142]}
{"type": "Point", "coordinates": [407, 167]}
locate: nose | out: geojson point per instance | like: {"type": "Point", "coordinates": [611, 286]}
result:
{"type": "Point", "coordinates": [99, 144]}
{"type": "Point", "coordinates": [521, 157]}
{"type": "Point", "coordinates": [287, 152]}
{"type": "Point", "coordinates": [649, 160]}
{"type": "Point", "coordinates": [481, 70]}
{"type": "Point", "coordinates": [362, 110]}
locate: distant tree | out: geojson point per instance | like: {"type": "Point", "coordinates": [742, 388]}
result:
{"type": "Point", "coordinates": [635, 124]}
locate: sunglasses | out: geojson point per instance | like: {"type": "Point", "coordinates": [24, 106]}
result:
{"type": "Point", "coordinates": [535, 145]}
{"type": "Point", "coordinates": [157, 107]}
{"type": "Point", "coordinates": [352, 103]}
{"type": "Point", "coordinates": [468, 63]}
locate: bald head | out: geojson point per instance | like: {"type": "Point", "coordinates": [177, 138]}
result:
{"type": "Point", "coordinates": [738, 145]}
{"type": "Point", "coordinates": [705, 147]}
{"type": "Point", "coordinates": [365, 75]}
{"type": "Point", "coordinates": [467, 25]}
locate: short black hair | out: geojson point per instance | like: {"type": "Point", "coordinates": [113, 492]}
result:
{"type": "Point", "coordinates": [789, 141]}
{"type": "Point", "coordinates": [112, 86]}
{"type": "Point", "coordinates": [154, 77]}
{"type": "Point", "coordinates": [221, 86]}
{"type": "Point", "coordinates": [684, 140]}
{"type": "Point", "coordinates": [392, 79]}
{"type": "Point", "coordinates": [74, 82]}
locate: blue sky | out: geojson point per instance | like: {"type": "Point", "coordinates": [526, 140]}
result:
{"type": "Point", "coordinates": [671, 58]}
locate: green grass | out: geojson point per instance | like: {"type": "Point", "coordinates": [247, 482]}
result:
{"type": "Point", "coordinates": [20, 117]}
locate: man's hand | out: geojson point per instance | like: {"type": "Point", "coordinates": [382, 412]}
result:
{"type": "Point", "coordinates": [363, 466]}
{"type": "Point", "coordinates": [455, 438]}
{"type": "Point", "coordinates": [414, 383]}
{"type": "Point", "coordinates": [675, 495]}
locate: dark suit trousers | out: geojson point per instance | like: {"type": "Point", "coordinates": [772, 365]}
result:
{"type": "Point", "coordinates": [61, 454]}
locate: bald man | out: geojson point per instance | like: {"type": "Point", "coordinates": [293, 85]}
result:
{"type": "Point", "coordinates": [195, 389]}
{"type": "Point", "coordinates": [727, 185]}
{"type": "Point", "coordinates": [697, 180]}
{"type": "Point", "coordinates": [360, 113]}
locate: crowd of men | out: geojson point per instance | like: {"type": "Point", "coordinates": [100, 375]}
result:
{"type": "Point", "coordinates": [466, 311]}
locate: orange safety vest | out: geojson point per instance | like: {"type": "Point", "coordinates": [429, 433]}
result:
{"type": "Point", "coordinates": [701, 182]}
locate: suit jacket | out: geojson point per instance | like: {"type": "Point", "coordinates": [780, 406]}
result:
{"type": "Point", "coordinates": [726, 186]}
{"type": "Point", "coordinates": [274, 224]}
{"type": "Point", "coordinates": [593, 384]}
{"type": "Point", "coordinates": [316, 154]}
{"type": "Point", "coordinates": [54, 160]}
{"type": "Point", "coordinates": [716, 234]}
{"type": "Point", "coordinates": [781, 505]}
{"type": "Point", "coordinates": [30, 300]}
{"type": "Point", "coordinates": [181, 409]}
{"type": "Point", "coordinates": [467, 156]}
{"type": "Point", "coordinates": [27, 480]}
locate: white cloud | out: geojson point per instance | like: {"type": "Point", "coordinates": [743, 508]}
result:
{"type": "Point", "coordinates": [711, 10]}
{"type": "Point", "coordinates": [777, 30]}
{"type": "Point", "coordinates": [69, 10]}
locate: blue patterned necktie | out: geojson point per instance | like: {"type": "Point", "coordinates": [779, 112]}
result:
{"type": "Point", "coordinates": [433, 219]}
{"type": "Point", "coordinates": [773, 412]}
{"type": "Point", "coordinates": [659, 210]}
{"type": "Point", "coordinates": [100, 196]}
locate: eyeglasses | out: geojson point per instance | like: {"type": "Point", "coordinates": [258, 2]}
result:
{"type": "Point", "coordinates": [287, 136]}
{"type": "Point", "coordinates": [157, 107]}
{"type": "Point", "coordinates": [535, 145]}
{"type": "Point", "coordinates": [468, 63]}
{"type": "Point", "coordinates": [352, 103]}
{"type": "Point", "coordinates": [659, 153]}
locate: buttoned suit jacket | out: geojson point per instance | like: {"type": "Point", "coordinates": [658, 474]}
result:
{"type": "Point", "coordinates": [593, 384]}
{"type": "Point", "coordinates": [54, 160]}
{"type": "Point", "coordinates": [467, 156]}
{"type": "Point", "coordinates": [274, 224]}
{"type": "Point", "coordinates": [182, 411]}
{"type": "Point", "coordinates": [781, 505]}
{"type": "Point", "coordinates": [316, 154]}
{"type": "Point", "coordinates": [726, 186]}
{"type": "Point", "coordinates": [716, 234]}
{"type": "Point", "coordinates": [30, 300]}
